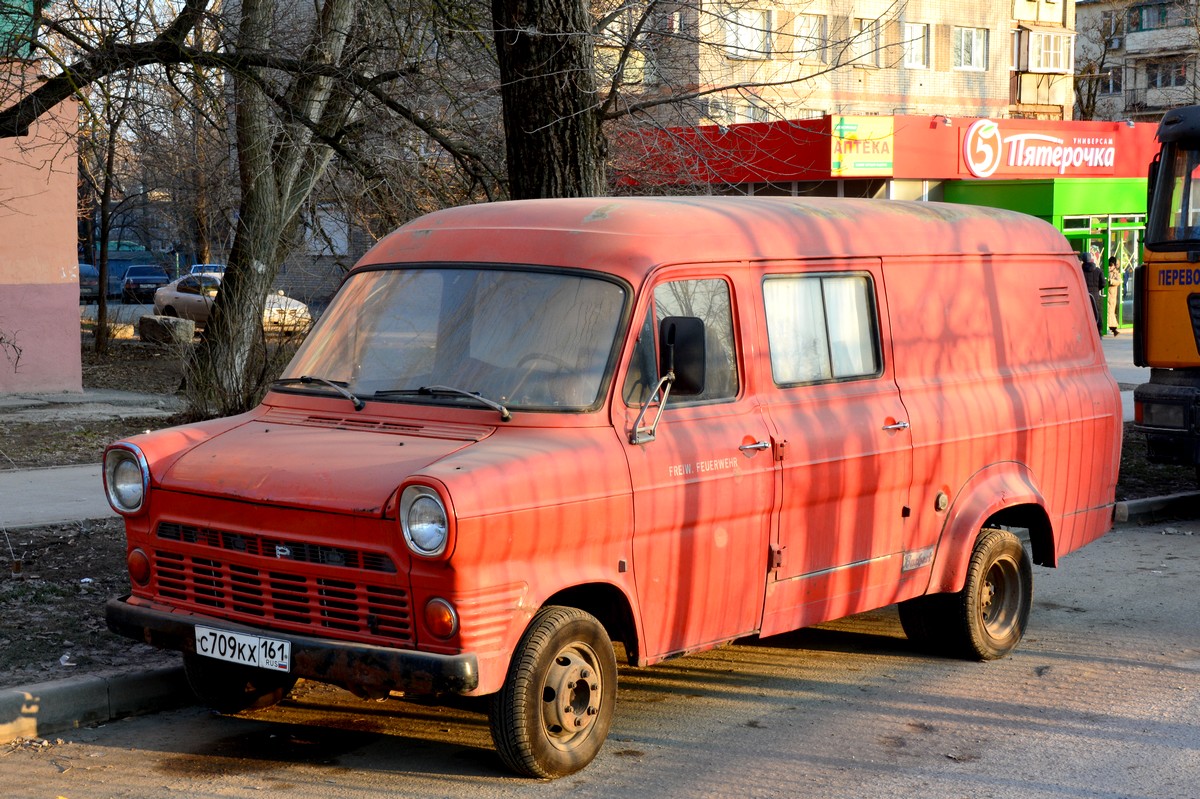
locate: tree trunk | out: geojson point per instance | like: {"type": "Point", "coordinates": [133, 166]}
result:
{"type": "Point", "coordinates": [553, 137]}
{"type": "Point", "coordinates": [279, 162]}
{"type": "Point", "coordinates": [101, 330]}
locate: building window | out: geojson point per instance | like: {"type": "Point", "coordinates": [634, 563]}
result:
{"type": "Point", "coordinates": [970, 48]}
{"type": "Point", "coordinates": [1151, 16]}
{"type": "Point", "coordinates": [864, 45]}
{"type": "Point", "coordinates": [1110, 82]}
{"type": "Point", "coordinates": [1112, 23]}
{"type": "Point", "coordinates": [727, 111]}
{"type": "Point", "coordinates": [916, 46]}
{"type": "Point", "coordinates": [1166, 74]}
{"type": "Point", "coordinates": [747, 33]}
{"type": "Point", "coordinates": [1051, 52]}
{"type": "Point", "coordinates": [810, 37]}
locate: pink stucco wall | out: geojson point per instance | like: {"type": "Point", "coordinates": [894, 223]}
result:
{"type": "Point", "coordinates": [39, 282]}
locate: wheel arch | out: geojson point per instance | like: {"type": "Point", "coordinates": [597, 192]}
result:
{"type": "Point", "coordinates": [610, 606]}
{"type": "Point", "coordinates": [999, 495]}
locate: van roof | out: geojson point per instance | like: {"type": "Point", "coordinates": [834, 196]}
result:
{"type": "Point", "coordinates": [630, 235]}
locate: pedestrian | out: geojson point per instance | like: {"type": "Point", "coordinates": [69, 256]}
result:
{"type": "Point", "coordinates": [1114, 294]}
{"type": "Point", "coordinates": [1093, 278]}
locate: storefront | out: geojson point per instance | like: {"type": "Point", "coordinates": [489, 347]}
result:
{"type": "Point", "coordinates": [1088, 179]}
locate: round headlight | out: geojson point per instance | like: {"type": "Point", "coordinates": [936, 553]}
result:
{"type": "Point", "coordinates": [424, 521]}
{"type": "Point", "coordinates": [126, 479]}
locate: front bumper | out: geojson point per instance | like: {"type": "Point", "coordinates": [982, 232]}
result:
{"type": "Point", "coordinates": [363, 669]}
{"type": "Point", "coordinates": [140, 292]}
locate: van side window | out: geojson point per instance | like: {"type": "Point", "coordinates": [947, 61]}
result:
{"type": "Point", "coordinates": [707, 300]}
{"type": "Point", "coordinates": [821, 327]}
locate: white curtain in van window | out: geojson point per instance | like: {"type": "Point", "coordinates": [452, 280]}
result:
{"type": "Point", "coordinates": [796, 330]}
{"type": "Point", "coordinates": [819, 328]}
{"type": "Point", "coordinates": [848, 320]}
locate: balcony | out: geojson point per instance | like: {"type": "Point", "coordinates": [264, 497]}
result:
{"type": "Point", "coordinates": [1160, 99]}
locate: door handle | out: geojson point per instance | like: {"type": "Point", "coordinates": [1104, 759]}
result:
{"type": "Point", "coordinates": [754, 446]}
{"type": "Point", "coordinates": [896, 426]}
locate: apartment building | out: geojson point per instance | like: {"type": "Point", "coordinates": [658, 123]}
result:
{"type": "Point", "coordinates": [1136, 59]}
{"type": "Point", "coordinates": [39, 283]}
{"type": "Point", "coordinates": [764, 60]}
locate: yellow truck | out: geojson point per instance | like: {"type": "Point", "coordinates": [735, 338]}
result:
{"type": "Point", "coordinates": [1166, 334]}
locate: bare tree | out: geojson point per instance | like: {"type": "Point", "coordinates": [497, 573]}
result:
{"type": "Point", "coordinates": [401, 98]}
{"type": "Point", "coordinates": [99, 152]}
{"type": "Point", "coordinates": [1099, 67]}
{"type": "Point", "coordinates": [298, 90]}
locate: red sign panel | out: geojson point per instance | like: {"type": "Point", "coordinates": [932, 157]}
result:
{"type": "Point", "coordinates": [1002, 148]}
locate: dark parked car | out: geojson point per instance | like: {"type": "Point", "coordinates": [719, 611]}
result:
{"type": "Point", "coordinates": [89, 283]}
{"type": "Point", "coordinates": [141, 282]}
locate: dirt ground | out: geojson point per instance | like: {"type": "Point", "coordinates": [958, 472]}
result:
{"type": "Point", "coordinates": [54, 581]}
{"type": "Point", "coordinates": [53, 586]}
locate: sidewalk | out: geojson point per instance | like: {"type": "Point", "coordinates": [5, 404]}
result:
{"type": "Point", "coordinates": [37, 497]}
{"type": "Point", "coordinates": [55, 495]}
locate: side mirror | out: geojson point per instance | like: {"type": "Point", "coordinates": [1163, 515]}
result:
{"type": "Point", "coordinates": [681, 362]}
{"type": "Point", "coordinates": [682, 352]}
{"type": "Point", "coordinates": [1151, 179]}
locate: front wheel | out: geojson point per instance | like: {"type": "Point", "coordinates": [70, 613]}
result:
{"type": "Point", "coordinates": [231, 688]}
{"type": "Point", "coordinates": [987, 618]}
{"type": "Point", "coordinates": [553, 713]}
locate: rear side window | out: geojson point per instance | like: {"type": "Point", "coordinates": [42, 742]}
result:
{"type": "Point", "coordinates": [821, 328]}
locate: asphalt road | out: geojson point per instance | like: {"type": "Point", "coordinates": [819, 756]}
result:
{"type": "Point", "coordinates": [1101, 700]}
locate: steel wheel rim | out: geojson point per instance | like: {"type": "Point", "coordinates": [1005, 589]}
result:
{"type": "Point", "coordinates": [571, 695]}
{"type": "Point", "coordinates": [1000, 598]}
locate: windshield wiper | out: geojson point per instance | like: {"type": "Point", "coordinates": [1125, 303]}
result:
{"type": "Point", "coordinates": [339, 387]}
{"type": "Point", "coordinates": [434, 391]}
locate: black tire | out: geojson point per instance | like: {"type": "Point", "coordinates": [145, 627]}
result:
{"type": "Point", "coordinates": [987, 618]}
{"type": "Point", "coordinates": [231, 688]}
{"type": "Point", "coordinates": [170, 311]}
{"type": "Point", "coordinates": [553, 713]}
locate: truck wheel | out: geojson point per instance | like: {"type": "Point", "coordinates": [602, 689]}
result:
{"type": "Point", "coordinates": [231, 688]}
{"type": "Point", "coordinates": [986, 619]}
{"type": "Point", "coordinates": [553, 713]}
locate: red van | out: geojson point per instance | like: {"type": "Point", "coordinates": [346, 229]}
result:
{"type": "Point", "coordinates": [523, 431]}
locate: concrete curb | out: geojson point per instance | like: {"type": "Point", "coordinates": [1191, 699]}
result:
{"type": "Point", "coordinates": [36, 711]}
{"type": "Point", "coordinates": [1173, 506]}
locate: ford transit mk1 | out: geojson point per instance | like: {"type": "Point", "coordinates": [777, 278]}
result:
{"type": "Point", "coordinates": [523, 431]}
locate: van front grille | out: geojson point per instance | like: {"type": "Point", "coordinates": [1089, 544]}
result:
{"type": "Point", "coordinates": [271, 547]}
{"type": "Point", "coordinates": [227, 583]}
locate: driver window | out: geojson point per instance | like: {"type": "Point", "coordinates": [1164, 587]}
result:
{"type": "Point", "coordinates": [707, 300]}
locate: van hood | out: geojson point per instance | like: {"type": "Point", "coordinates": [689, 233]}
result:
{"type": "Point", "coordinates": [315, 462]}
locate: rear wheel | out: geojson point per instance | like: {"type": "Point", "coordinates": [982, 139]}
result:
{"type": "Point", "coordinates": [553, 713]}
{"type": "Point", "coordinates": [987, 618]}
{"type": "Point", "coordinates": [230, 687]}
{"type": "Point", "coordinates": [169, 311]}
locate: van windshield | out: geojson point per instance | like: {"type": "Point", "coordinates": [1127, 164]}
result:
{"type": "Point", "coordinates": [528, 339]}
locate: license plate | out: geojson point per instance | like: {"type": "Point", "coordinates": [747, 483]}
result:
{"type": "Point", "coordinates": [248, 650]}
